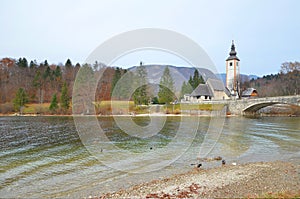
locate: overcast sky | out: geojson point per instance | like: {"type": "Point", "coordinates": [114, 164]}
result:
{"type": "Point", "coordinates": [266, 32]}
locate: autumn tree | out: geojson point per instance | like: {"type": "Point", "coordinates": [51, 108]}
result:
{"type": "Point", "coordinates": [116, 78]}
{"type": "Point", "coordinates": [291, 77]}
{"type": "Point", "coordinates": [166, 88]}
{"type": "Point", "coordinates": [20, 100]}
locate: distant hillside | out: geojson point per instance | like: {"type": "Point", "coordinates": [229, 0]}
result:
{"type": "Point", "coordinates": [281, 84]}
{"type": "Point", "coordinates": [179, 74]}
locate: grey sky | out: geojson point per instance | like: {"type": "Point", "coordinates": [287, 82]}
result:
{"type": "Point", "coordinates": [266, 32]}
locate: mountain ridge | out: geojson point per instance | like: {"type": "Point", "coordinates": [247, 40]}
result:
{"type": "Point", "coordinates": [182, 73]}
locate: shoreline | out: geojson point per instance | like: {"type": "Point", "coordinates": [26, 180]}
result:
{"type": "Point", "coordinates": [123, 115]}
{"type": "Point", "coordinates": [140, 115]}
{"type": "Point", "coordinates": [255, 180]}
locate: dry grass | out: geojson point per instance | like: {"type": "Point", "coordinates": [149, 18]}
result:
{"type": "Point", "coordinates": [116, 104]}
{"type": "Point", "coordinates": [119, 107]}
{"type": "Point", "coordinates": [36, 108]}
{"type": "Point", "coordinates": [177, 108]}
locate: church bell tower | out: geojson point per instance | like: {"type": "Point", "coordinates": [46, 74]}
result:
{"type": "Point", "coordinates": [233, 72]}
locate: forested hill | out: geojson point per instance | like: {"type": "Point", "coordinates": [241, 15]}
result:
{"type": "Point", "coordinates": [286, 82]}
{"type": "Point", "coordinates": [42, 80]}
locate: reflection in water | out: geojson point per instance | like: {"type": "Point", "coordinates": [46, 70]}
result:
{"type": "Point", "coordinates": [44, 156]}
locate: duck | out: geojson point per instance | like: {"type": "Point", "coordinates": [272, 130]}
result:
{"type": "Point", "coordinates": [223, 162]}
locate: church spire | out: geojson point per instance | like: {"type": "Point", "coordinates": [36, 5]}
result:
{"type": "Point", "coordinates": [232, 54]}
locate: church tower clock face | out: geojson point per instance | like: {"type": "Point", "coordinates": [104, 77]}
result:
{"type": "Point", "coordinates": [233, 72]}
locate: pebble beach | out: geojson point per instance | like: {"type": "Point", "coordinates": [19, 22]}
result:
{"type": "Point", "coordinates": [252, 180]}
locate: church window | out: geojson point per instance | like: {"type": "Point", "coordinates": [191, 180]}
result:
{"type": "Point", "coordinates": [230, 64]}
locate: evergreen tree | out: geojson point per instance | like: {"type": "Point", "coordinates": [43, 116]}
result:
{"type": "Point", "coordinates": [77, 65]}
{"type": "Point", "coordinates": [191, 82]}
{"type": "Point", "coordinates": [54, 104]}
{"type": "Point", "coordinates": [166, 88]}
{"type": "Point", "coordinates": [47, 73]}
{"type": "Point", "coordinates": [22, 62]}
{"type": "Point", "coordinates": [68, 63]}
{"type": "Point", "coordinates": [140, 95]}
{"type": "Point", "coordinates": [46, 63]}
{"type": "Point", "coordinates": [196, 80]}
{"type": "Point", "coordinates": [20, 100]}
{"type": "Point", "coordinates": [57, 72]}
{"type": "Point", "coordinates": [64, 98]}
{"type": "Point", "coordinates": [32, 64]}
{"type": "Point", "coordinates": [83, 89]}
{"type": "Point", "coordinates": [155, 100]}
{"type": "Point", "coordinates": [186, 88]}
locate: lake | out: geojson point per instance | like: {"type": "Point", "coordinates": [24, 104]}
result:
{"type": "Point", "coordinates": [82, 156]}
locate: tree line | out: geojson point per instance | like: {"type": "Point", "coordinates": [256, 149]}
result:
{"type": "Point", "coordinates": [285, 82]}
{"type": "Point", "coordinates": [38, 83]}
{"type": "Point", "coordinates": [23, 82]}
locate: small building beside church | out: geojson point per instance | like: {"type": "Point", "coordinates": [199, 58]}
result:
{"type": "Point", "coordinates": [202, 92]}
{"type": "Point", "coordinates": [213, 89]}
{"type": "Point", "coordinates": [249, 92]}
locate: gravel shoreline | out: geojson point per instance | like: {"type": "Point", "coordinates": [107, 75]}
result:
{"type": "Point", "coordinates": [230, 181]}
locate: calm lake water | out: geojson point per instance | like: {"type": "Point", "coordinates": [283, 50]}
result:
{"type": "Point", "coordinates": [47, 157]}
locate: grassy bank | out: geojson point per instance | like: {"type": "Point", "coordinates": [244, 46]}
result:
{"type": "Point", "coordinates": [114, 107]}
{"type": "Point", "coordinates": [37, 108]}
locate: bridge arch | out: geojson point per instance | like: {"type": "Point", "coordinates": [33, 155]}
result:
{"type": "Point", "coordinates": [257, 106]}
{"type": "Point", "coordinates": [253, 108]}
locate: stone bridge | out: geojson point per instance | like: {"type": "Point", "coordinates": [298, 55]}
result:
{"type": "Point", "coordinates": [251, 106]}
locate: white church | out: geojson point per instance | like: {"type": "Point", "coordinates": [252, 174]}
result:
{"type": "Point", "coordinates": [233, 72]}
{"type": "Point", "coordinates": [214, 89]}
